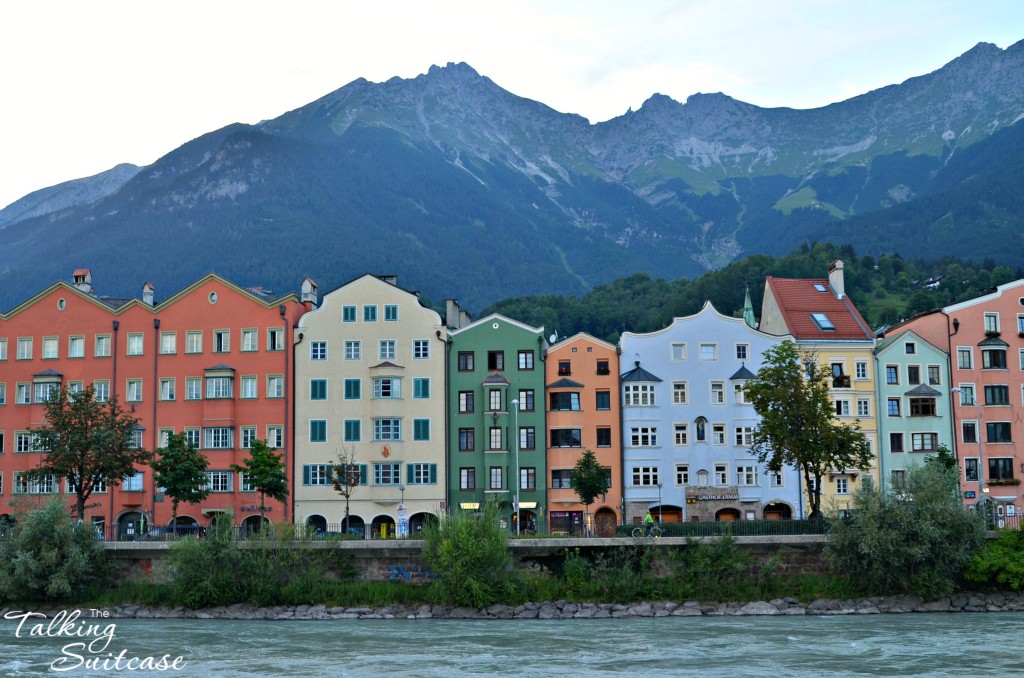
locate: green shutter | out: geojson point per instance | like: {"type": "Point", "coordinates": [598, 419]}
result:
{"type": "Point", "coordinates": [306, 472]}
{"type": "Point", "coordinates": [433, 474]}
{"type": "Point", "coordinates": [408, 474]}
{"type": "Point", "coordinates": [362, 474]}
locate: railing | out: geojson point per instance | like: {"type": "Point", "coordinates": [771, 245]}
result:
{"type": "Point", "coordinates": [737, 528]}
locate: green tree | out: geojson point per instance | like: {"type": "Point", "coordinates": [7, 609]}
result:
{"type": "Point", "coordinates": [797, 421]}
{"type": "Point", "coordinates": [181, 471]}
{"type": "Point", "coordinates": [588, 479]}
{"type": "Point", "coordinates": [266, 472]}
{"type": "Point", "coordinates": [917, 540]}
{"type": "Point", "coordinates": [88, 442]}
{"type": "Point", "coordinates": [345, 479]}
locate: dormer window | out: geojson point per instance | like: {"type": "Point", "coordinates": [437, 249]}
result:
{"type": "Point", "coordinates": [823, 323]}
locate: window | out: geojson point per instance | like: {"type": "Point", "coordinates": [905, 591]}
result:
{"type": "Point", "coordinates": [421, 387]}
{"type": "Point", "coordinates": [23, 394]}
{"type": "Point", "coordinates": [248, 436]}
{"type": "Point", "coordinates": [528, 478]}
{"type": "Point", "coordinates": [192, 437]}
{"type": "Point", "coordinates": [275, 339]}
{"type": "Point", "coordinates": [998, 432]}
{"type": "Point", "coordinates": [681, 434]}
{"type": "Point", "coordinates": [971, 469]}
{"type": "Point", "coordinates": [353, 430]}
{"type": "Point", "coordinates": [421, 429]}
{"type": "Point", "coordinates": [220, 387]}
{"type": "Point", "coordinates": [528, 437]}
{"type": "Point", "coordinates": [718, 393]}
{"type": "Point", "coordinates": [494, 442]}
{"type": "Point", "coordinates": [494, 400]}
{"type": "Point", "coordinates": [561, 402]}
{"type": "Point", "coordinates": [318, 350]}
{"type": "Point", "coordinates": [709, 351]}
{"type": "Point", "coordinates": [495, 479]}
{"type": "Point", "coordinates": [387, 473]}
{"type": "Point", "coordinates": [45, 485]}
{"type": "Point", "coordinates": [25, 348]}
{"type": "Point", "coordinates": [604, 400]}
{"type": "Point", "coordinates": [910, 348]}
{"type": "Point", "coordinates": [893, 407]}
{"type": "Point", "coordinates": [387, 429]}
{"type": "Point", "coordinates": [250, 340]}
{"type": "Point", "coordinates": [318, 430]}
{"type": "Point", "coordinates": [899, 479]}
{"type": "Point", "coordinates": [645, 476]}
{"type": "Point", "coordinates": [369, 313]}
{"type": "Point", "coordinates": [422, 474]}
{"type": "Point", "coordinates": [679, 392]}
{"type": "Point", "coordinates": [386, 349]}
{"type": "Point", "coordinates": [638, 395]}
{"type": "Point", "coordinates": [3, 397]}
{"type": "Point", "coordinates": [134, 346]}
{"type": "Point", "coordinates": [991, 322]}
{"type": "Point", "coordinates": [924, 442]}
{"type": "Point", "coordinates": [860, 370]}
{"type": "Point", "coordinates": [993, 359]}
{"type": "Point", "coordinates": [526, 360]}
{"type": "Point", "coordinates": [566, 437]}
{"type": "Point", "coordinates": [560, 479]}
{"type": "Point", "coordinates": [913, 375]}
{"type": "Point", "coordinates": [76, 347]}
{"type": "Point", "coordinates": [721, 474]}
{"type": "Point", "coordinates": [863, 407]}
{"type": "Point", "coordinates": [387, 387]}
{"type": "Point", "coordinates": [842, 485]}
{"type": "Point", "coordinates": [602, 367]}
{"type": "Point", "coordinates": [964, 358]}
{"type": "Point", "coordinates": [842, 407]}
{"type": "Point", "coordinates": [604, 436]}
{"type": "Point", "coordinates": [248, 387]}
{"type": "Point", "coordinates": [642, 436]}
{"type": "Point", "coordinates": [744, 436]}
{"type": "Point", "coordinates": [317, 474]}
{"type": "Point", "coordinates": [353, 350]}
{"type": "Point", "coordinates": [348, 314]}
{"type": "Point", "coordinates": [102, 346]}
{"type": "Point", "coordinates": [221, 341]}
{"type": "Point", "coordinates": [966, 394]}
{"type": "Point", "coordinates": [193, 342]}
{"type": "Point", "coordinates": [3, 349]}
{"type": "Point", "coordinates": [352, 389]}
{"type": "Point", "coordinates": [467, 439]}
{"type": "Point", "coordinates": [466, 402]}
{"type": "Point", "coordinates": [892, 374]}
{"type": "Point", "coordinates": [564, 368]}
{"type": "Point", "coordinates": [997, 395]}
{"type": "Point", "coordinates": [682, 474]}
{"type": "Point", "coordinates": [44, 391]}
{"type": "Point", "coordinates": [467, 478]}
{"type": "Point", "coordinates": [526, 403]}
{"type": "Point", "coordinates": [420, 349]}
{"type": "Point", "coordinates": [934, 378]}
{"type": "Point", "coordinates": [969, 431]}
{"type": "Point", "coordinates": [678, 351]}
{"type": "Point", "coordinates": [775, 479]}
{"type": "Point", "coordinates": [218, 481]}
{"type": "Point", "coordinates": [167, 389]}
{"type": "Point", "coordinates": [74, 387]}
{"type": "Point", "coordinates": [390, 313]}
{"type": "Point", "coordinates": [739, 393]}
{"type": "Point", "coordinates": [217, 437]}
{"type": "Point", "coordinates": [495, 360]}
{"type": "Point", "coordinates": [718, 434]}
{"type": "Point", "coordinates": [922, 407]}
{"type": "Point", "coordinates": [466, 362]}
{"type": "Point", "coordinates": [1000, 468]}
{"type": "Point", "coordinates": [318, 389]}
{"type": "Point", "coordinates": [746, 476]}
{"type": "Point", "coordinates": [168, 343]}
{"type": "Point", "coordinates": [22, 442]}
{"type": "Point", "coordinates": [742, 351]}
{"type": "Point", "coordinates": [823, 322]}
{"type": "Point", "coordinates": [102, 391]}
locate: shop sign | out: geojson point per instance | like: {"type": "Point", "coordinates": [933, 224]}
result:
{"type": "Point", "coordinates": [718, 497]}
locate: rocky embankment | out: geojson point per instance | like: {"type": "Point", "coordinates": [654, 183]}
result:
{"type": "Point", "coordinates": [966, 602]}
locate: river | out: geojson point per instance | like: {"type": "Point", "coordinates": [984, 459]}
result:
{"type": "Point", "coordinates": [981, 644]}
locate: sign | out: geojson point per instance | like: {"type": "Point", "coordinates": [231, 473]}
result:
{"type": "Point", "coordinates": [254, 507]}
{"type": "Point", "coordinates": [969, 494]}
{"type": "Point", "coordinates": [718, 497]}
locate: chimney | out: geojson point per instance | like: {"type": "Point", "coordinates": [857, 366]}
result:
{"type": "Point", "coordinates": [83, 280]}
{"type": "Point", "coordinates": [148, 292]}
{"type": "Point", "coordinates": [835, 278]}
{"type": "Point", "coordinates": [309, 293]}
{"type": "Point", "coordinates": [389, 279]}
{"type": "Point", "coordinates": [454, 316]}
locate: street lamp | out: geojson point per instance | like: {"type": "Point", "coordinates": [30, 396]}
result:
{"type": "Point", "coordinates": [515, 436]}
{"type": "Point", "coordinates": [660, 514]}
{"type": "Point", "coordinates": [982, 490]}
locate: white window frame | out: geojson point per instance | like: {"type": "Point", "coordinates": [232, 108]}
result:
{"type": "Point", "coordinates": [135, 344]}
{"type": "Point", "coordinates": [250, 340]}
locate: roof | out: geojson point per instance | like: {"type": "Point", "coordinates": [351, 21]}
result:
{"type": "Point", "coordinates": [799, 298]}
{"type": "Point", "coordinates": [495, 379]}
{"type": "Point", "coordinates": [742, 373]}
{"type": "Point", "coordinates": [639, 374]}
{"type": "Point", "coordinates": [565, 383]}
{"type": "Point", "coordinates": [924, 390]}
{"type": "Point", "coordinates": [387, 363]}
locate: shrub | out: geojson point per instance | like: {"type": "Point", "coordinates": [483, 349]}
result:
{"type": "Point", "coordinates": [47, 556]}
{"type": "Point", "coordinates": [1000, 561]}
{"type": "Point", "coordinates": [712, 570]}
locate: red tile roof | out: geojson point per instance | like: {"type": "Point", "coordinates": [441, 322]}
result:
{"type": "Point", "coordinates": [798, 298]}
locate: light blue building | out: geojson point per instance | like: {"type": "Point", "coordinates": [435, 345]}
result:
{"type": "Point", "coordinates": [686, 425]}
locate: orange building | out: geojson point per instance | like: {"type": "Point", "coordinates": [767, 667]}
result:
{"type": "Point", "coordinates": [213, 361]}
{"type": "Point", "coordinates": [582, 377]}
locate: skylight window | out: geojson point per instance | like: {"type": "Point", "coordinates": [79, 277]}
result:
{"type": "Point", "coordinates": [819, 287]}
{"type": "Point", "coordinates": [823, 323]}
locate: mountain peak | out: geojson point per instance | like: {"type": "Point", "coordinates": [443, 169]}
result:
{"type": "Point", "coordinates": [460, 69]}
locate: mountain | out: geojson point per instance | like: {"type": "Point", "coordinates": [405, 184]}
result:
{"type": "Point", "coordinates": [466, 190]}
{"type": "Point", "coordinates": [70, 194]}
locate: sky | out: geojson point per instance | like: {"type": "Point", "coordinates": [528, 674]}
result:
{"type": "Point", "coordinates": [86, 85]}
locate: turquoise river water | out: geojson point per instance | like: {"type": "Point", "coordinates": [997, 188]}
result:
{"type": "Point", "coordinates": [984, 644]}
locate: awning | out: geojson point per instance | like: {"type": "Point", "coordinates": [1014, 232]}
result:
{"type": "Point", "coordinates": [528, 504]}
{"type": "Point", "coordinates": [469, 505]}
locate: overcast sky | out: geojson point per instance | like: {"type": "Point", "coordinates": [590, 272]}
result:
{"type": "Point", "coordinates": [87, 84]}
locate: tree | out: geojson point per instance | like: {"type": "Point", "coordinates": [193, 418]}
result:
{"type": "Point", "coordinates": [345, 478]}
{"type": "Point", "coordinates": [88, 442]}
{"type": "Point", "coordinates": [266, 472]}
{"type": "Point", "coordinates": [797, 421]}
{"type": "Point", "coordinates": [588, 479]}
{"type": "Point", "coordinates": [181, 471]}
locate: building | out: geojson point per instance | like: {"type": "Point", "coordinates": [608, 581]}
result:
{"type": "Point", "coordinates": [583, 413]}
{"type": "Point", "coordinates": [370, 382]}
{"type": "Point", "coordinates": [496, 419]}
{"type": "Point", "coordinates": [831, 332]}
{"type": "Point", "coordinates": [913, 392]}
{"type": "Point", "coordinates": [213, 361]}
{"type": "Point", "coordinates": [984, 338]}
{"type": "Point", "coordinates": [687, 427]}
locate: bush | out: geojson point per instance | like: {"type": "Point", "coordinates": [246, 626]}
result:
{"type": "Point", "coordinates": [470, 559]}
{"type": "Point", "coordinates": [713, 570]}
{"type": "Point", "coordinates": [47, 556]}
{"type": "Point", "coordinates": [1000, 561]}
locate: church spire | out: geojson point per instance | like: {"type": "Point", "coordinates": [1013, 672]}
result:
{"type": "Point", "coordinates": [748, 311]}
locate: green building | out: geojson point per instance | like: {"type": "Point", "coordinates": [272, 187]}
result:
{"type": "Point", "coordinates": [496, 449]}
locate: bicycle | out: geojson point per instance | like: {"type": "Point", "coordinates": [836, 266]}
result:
{"type": "Point", "coordinates": [653, 531]}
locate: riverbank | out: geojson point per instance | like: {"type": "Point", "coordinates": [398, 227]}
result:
{"type": "Point", "coordinates": [964, 602]}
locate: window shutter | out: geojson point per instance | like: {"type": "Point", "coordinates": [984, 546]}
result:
{"type": "Point", "coordinates": [408, 474]}
{"type": "Point", "coordinates": [433, 474]}
{"type": "Point", "coordinates": [362, 474]}
{"type": "Point", "coordinates": [306, 472]}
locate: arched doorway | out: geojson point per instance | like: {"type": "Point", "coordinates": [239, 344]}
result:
{"type": "Point", "coordinates": [605, 522]}
{"type": "Point", "coordinates": [356, 526]}
{"type": "Point", "coordinates": [316, 523]}
{"type": "Point", "coordinates": [667, 513]}
{"type": "Point", "coordinates": [129, 526]}
{"type": "Point", "coordinates": [253, 525]}
{"type": "Point", "coordinates": [727, 515]}
{"type": "Point", "coordinates": [418, 521]}
{"type": "Point", "coordinates": [527, 522]}
{"type": "Point", "coordinates": [777, 510]}
{"type": "Point", "coordinates": [382, 527]}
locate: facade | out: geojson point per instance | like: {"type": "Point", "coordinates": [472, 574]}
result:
{"type": "Point", "coordinates": [496, 423]}
{"type": "Point", "coordinates": [984, 337]}
{"type": "Point", "coordinates": [830, 331]}
{"type": "Point", "coordinates": [212, 362]}
{"type": "Point", "coordinates": [687, 427]}
{"type": "Point", "coordinates": [370, 383]}
{"type": "Point", "coordinates": [582, 375]}
{"type": "Point", "coordinates": [915, 417]}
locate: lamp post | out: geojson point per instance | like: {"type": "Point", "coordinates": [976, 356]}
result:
{"type": "Point", "coordinates": [660, 512]}
{"type": "Point", "coordinates": [982, 490]}
{"type": "Point", "coordinates": [515, 437]}
{"type": "Point", "coordinates": [403, 521]}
